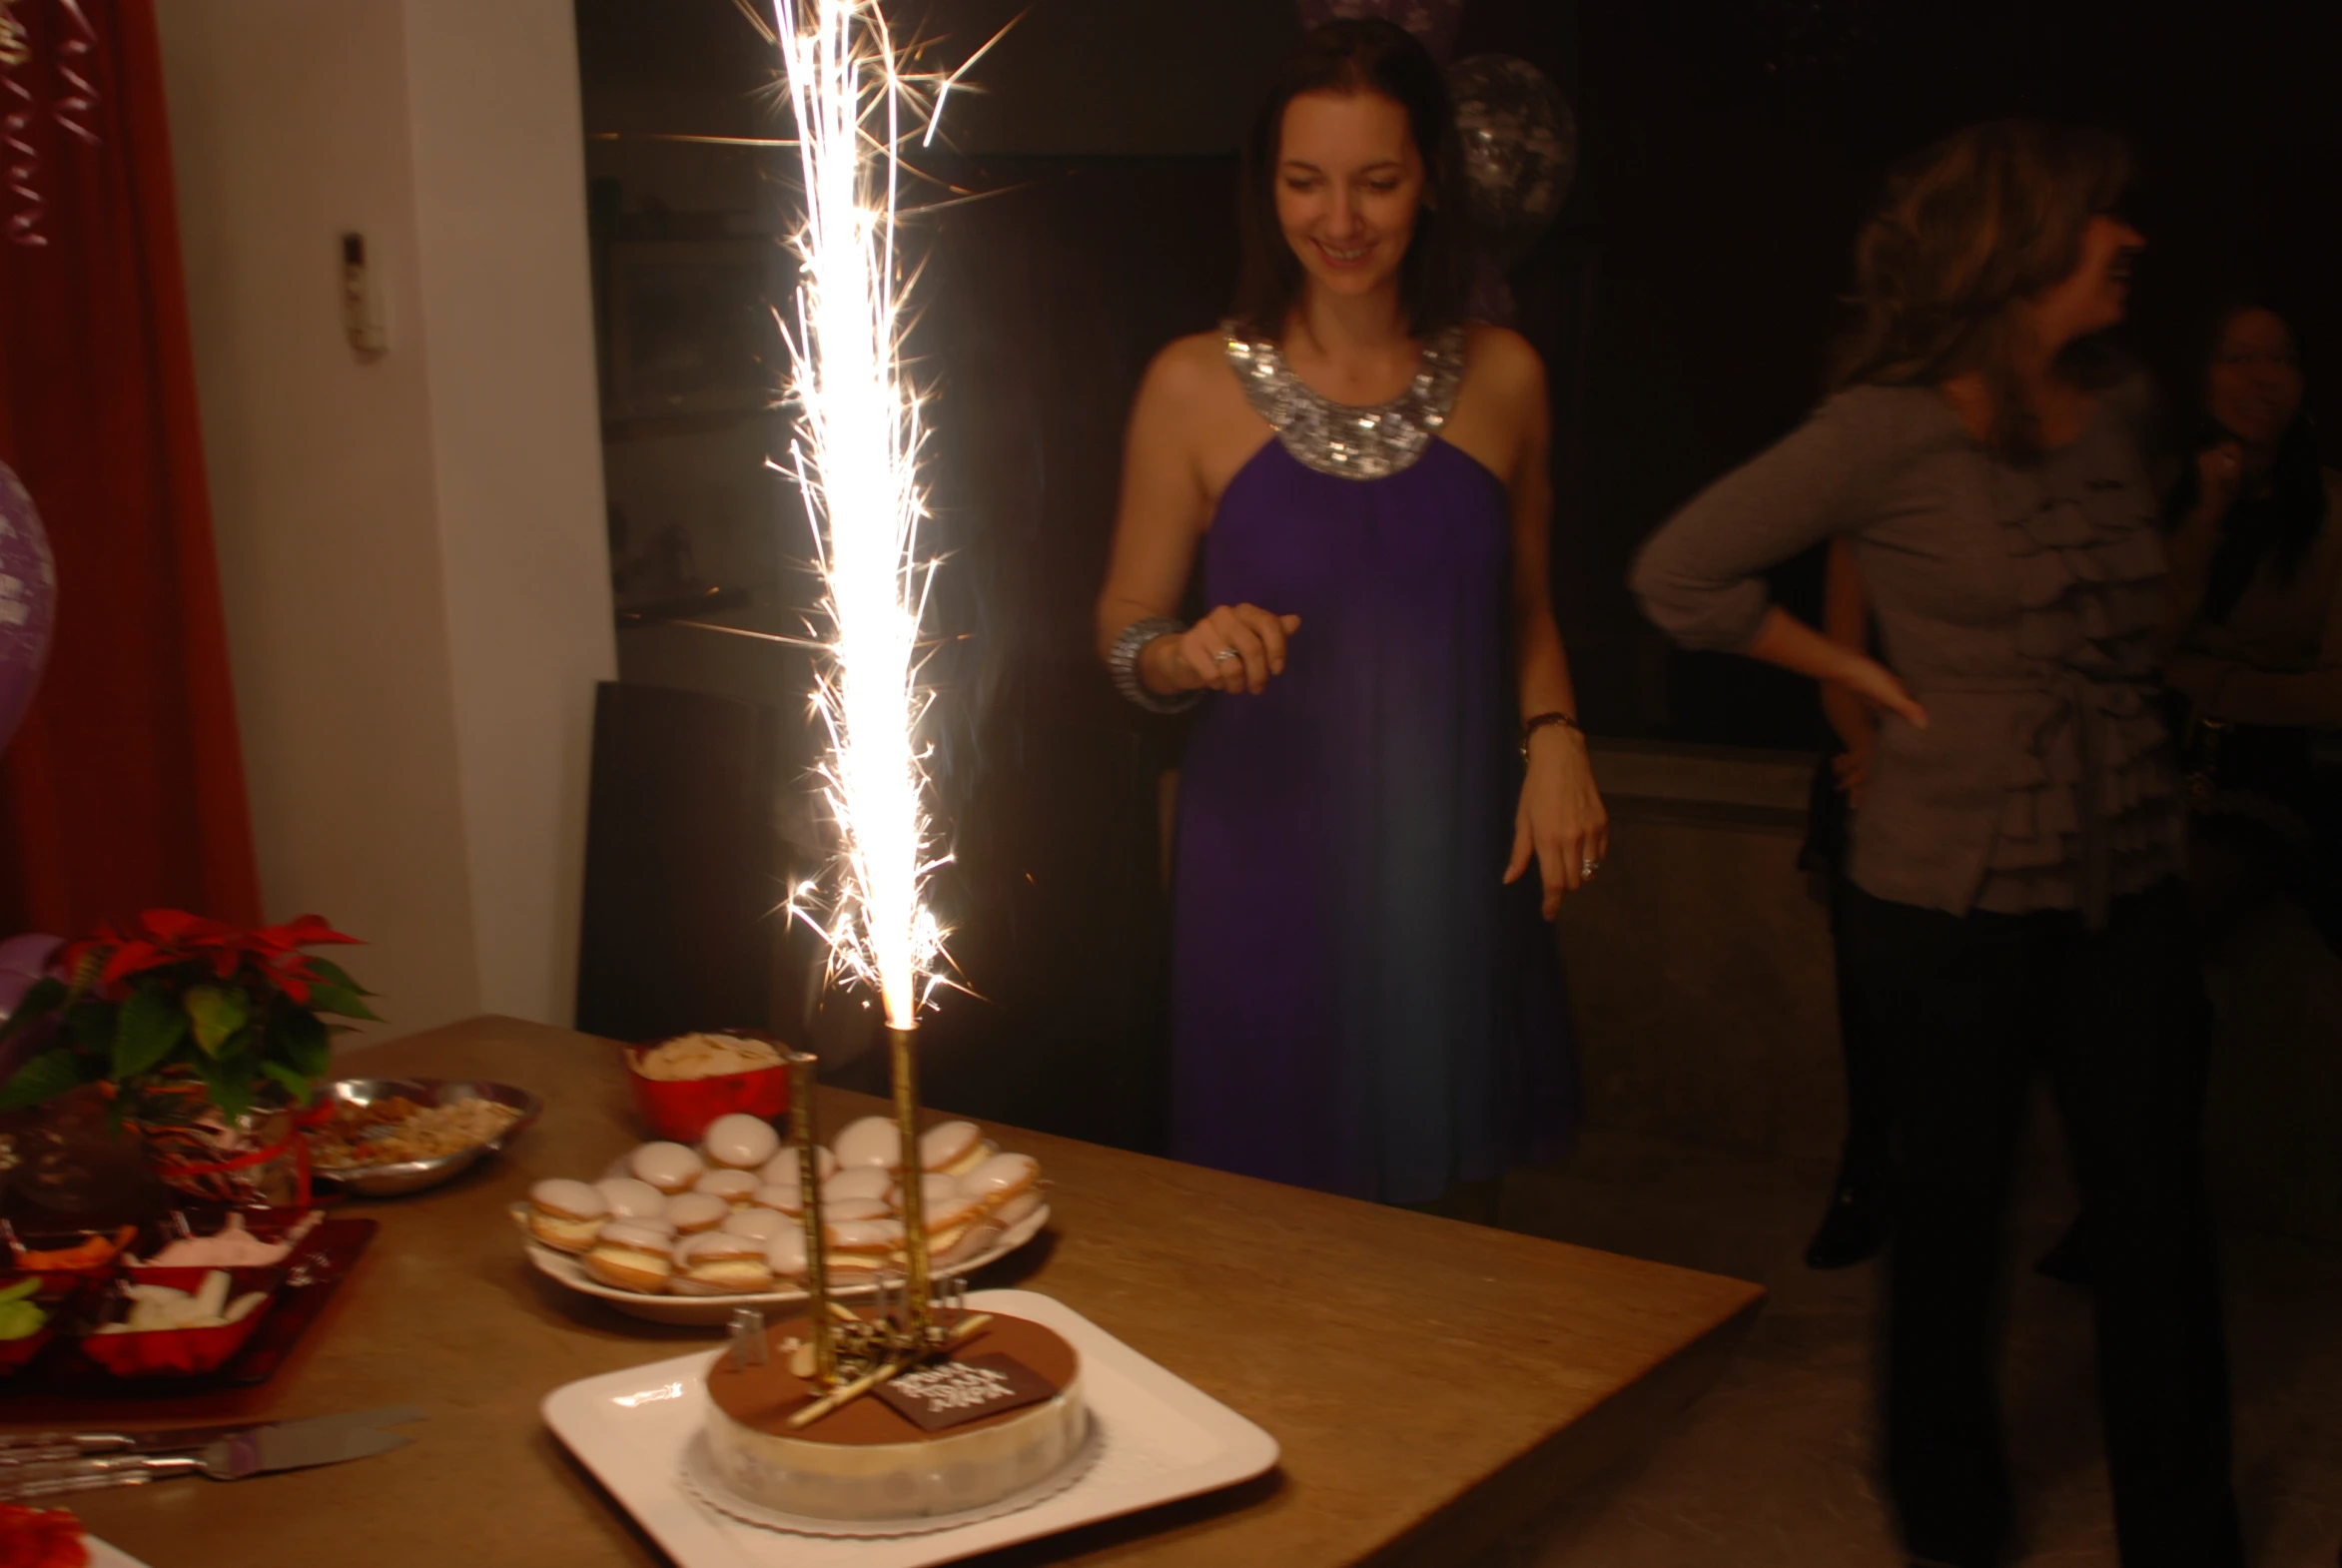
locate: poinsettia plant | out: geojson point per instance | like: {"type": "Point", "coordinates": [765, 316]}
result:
{"type": "Point", "coordinates": [170, 997]}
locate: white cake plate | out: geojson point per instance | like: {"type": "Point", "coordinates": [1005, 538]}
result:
{"type": "Point", "coordinates": [1163, 1439]}
{"type": "Point", "coordinates": [714, 1311]}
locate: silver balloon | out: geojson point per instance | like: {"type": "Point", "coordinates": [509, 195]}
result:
{"type": "Point", "coordinates": [1520, 145]}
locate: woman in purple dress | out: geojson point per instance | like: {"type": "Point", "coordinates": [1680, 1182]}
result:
{"type": "Point", "coordinates": [1388, 740]}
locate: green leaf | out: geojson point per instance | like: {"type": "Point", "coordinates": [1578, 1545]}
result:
{"type": "Point", "coordinates": [43, 997]}
{"type": "Point", "coordinates": [218, 1012]}
{"type": "Point", "coordinates": [297, 1086]}
{"type": "Point", "coordinates": [91, 1023]}
{"type": "Point", "coordinates": [330, 997]}
{"type": "Point", "coordinates": [304, 1044]}
{"type": "Point", "coordinates": [46, 1076]}
{"type": "Point", "coordinates": [334, 973]}
{"type": "Point", "coordinates": [145, 1029]}
{"type": "Point", "coordinates": [230, 1081]}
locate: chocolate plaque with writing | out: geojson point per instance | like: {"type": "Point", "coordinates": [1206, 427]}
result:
{"type": "Point", "coordinates": [967, 1389]}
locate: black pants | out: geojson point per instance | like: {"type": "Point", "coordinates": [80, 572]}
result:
{"type": "Point", "coordinates": [1971, 1006]}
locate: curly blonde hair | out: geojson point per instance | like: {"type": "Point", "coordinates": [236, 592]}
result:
{"type": "Point", "coordinates": [1968, 231]}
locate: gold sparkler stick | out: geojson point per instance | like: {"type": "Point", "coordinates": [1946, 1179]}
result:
{"type": "Point", "coordinates": [910, 1177]}
{"type": "Point", "coordinates": [817, 1275]}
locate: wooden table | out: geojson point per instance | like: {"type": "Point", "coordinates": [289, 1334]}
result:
{"type": "Point", "coordinates": [1432, 1384]}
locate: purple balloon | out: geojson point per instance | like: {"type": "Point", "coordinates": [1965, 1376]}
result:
{"type": "Point", "coordinates": [1435, 22]}
{"type": "Point", "coordinates": [28, 600]}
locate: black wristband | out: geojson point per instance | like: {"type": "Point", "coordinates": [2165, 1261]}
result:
{"type": "Point", "coordinates": [1530, 726]}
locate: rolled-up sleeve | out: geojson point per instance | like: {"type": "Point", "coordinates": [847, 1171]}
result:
{"type": "Point", "coordinates": [1701, 577]}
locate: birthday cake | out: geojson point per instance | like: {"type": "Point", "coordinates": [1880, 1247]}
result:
{"type": "Point", "coordinates": [993, 1416]}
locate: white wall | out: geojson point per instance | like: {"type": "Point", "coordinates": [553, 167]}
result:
{"type": "Point", "coordinates": [411, 548]}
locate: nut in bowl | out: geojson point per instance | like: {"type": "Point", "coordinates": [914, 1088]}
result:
{"type": "Point", "coordinates": [682, 1085]}
{"type": "Point", "coordinates": [392, 1135]}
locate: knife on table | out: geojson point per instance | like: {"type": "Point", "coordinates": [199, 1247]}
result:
{"type": "Point", "coordinates": [20, 1449]}
{"type": "Point", "coordinates": [229, 1458]}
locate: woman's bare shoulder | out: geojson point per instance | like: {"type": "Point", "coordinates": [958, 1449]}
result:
{"type": "Point", "coordinates": [1503, 358]}
{"type": "Point", "coordinates": [1189, 373]}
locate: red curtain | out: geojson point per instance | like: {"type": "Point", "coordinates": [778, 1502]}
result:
{"type": "Point", "coordinates": [123, 787]}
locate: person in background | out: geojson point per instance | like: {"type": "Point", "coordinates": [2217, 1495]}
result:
{"type": "Point", "coordinates": [2256, 629]}
{"type": "Point", "coordinates": [2017, 859]}
{"type": "Point", "coordinates": [1861, 1214]}
{"type": "Point", "coordinates": [1388, 735]}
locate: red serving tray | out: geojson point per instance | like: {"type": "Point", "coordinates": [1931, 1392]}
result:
{"type": "Point", "coordinates": [313, 1274]}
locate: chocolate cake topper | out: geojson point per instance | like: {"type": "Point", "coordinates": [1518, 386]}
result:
{"type": "Point", "coordinates": [955, 1392]}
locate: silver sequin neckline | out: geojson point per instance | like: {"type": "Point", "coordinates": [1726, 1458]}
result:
{"type": "Point", "coordinates": [1349, 440]}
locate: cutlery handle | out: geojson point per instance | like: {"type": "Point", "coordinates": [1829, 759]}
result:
{"type": "Point", "coordinates": [24, 1448]}
{"type": "Point", "coordinates": [91, 1474]}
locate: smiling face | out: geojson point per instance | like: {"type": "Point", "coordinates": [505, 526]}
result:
{"type": "Point", "coordinates": [2255, 379]}
{"type": "Point", "coordinates": [2096, 293]}
{"type": "Point", "coordinates": [1349, 180]}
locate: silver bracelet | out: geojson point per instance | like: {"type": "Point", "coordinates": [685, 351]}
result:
{"type": "Point", "coordinates": [1122, 665]}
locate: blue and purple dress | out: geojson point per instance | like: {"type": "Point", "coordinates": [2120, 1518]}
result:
{"type": "Point", "coordinates": [1359, 1004]}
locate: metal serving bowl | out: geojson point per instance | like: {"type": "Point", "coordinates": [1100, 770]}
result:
{"type": "Point", "coordinates": [412, 1175]}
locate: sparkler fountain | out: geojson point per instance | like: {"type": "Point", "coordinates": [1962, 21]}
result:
{"type": "Point", "coordinates": [855, 461]}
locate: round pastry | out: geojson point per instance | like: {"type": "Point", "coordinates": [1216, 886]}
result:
{"type": "Point", "coordinates": [872, 1238]}
{"type": "Point", "coordinates": [785, 1253]}
{"type": "Point", "coordinates": [783, 1166]}
{"type": "Point", "coordinates": [762, 1224]}
{"type": "Point", "coordinates": [631, 1199]}
{"type": "Point", "coordinates": [670, 1167]}
{"type": "Point", "coordinates": [787, 1199]}
{"type": "Point", "coordinates": [740, 1141]}
{"type": "Point", "coordinates": [1001, 1177]}
{"type": "Point", "coordinates": [693, 1213]}
{"type": "Point", "coordinates": [948, 1143]}
{"type": "Point", "coordinates": [566, 1214]}
{"type": "Point", "coordinates": [720, 1264]}
{"type": "Point", "coordinates": [933, 1188]}
{"type": "Point", "coordinates": [872, 1142]}
{"type": "Point", "coordinates": [732, 1186]}
{"type": "Point", "coordinates": [868, 1460]}
{"type": "Point", "coordinates": [834, 1209]}
{"type": "Point", "coordinates": [632, 1257]}
{"type": "Point", "coordinates": [970, 1240]}
{"type": "Point", "coordinates": [859, 1182]}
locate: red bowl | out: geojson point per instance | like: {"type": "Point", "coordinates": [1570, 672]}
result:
{"type": "Point", "coordinates": [681, 1108]}
{"type": "Point", "coordinates": [168, 1353]}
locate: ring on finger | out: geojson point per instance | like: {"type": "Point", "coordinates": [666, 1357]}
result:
{"type": "Point", "coordinates": [1223, 655]}
{"type": "Point", "coordinates": [1588, 866]}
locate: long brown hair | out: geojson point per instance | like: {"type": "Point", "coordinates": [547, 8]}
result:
{"type": "Point", "coordinates": [1364, 56]}
{"type": "Point", "coordinates": [1968, 231]}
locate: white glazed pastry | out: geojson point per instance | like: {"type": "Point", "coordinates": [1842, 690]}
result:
{"type": "Point", "coordinates": [946, 1143]}
{"type": "Point", "coordinates": [762, 1224]}
{"type": "Point", "coordinates": [632, 1257]}
{"type": "Point", "coordinates": [720, 1264]}
{"type": "Point", "coordinates": [787, 1199]}
{"type": "Point", "coordinates": [783, 1166]}
{"type": "Point", "coordinates": [785, 1253]}
{"type": "Point", "coordinates": [670, 1167]}
{"type": "Point", "coordinates": [1001, 1177]}
{"type": "Point", "coordinates": [631, 1199]}
{"type": "Point", "coordinates": [734, 1186]}
{"type": "Point", "coordinates": [693, 1213]}
{"type": "Point", "coordinates": [933, 1188]}
{"type": "Point", "coordinates": [566, 1214]}
{"type": "Point", "coordinates": [859, 1182]}
{"type": "Point", "coordinates": [834, 1209]}
{"type": "Point", "coordinates": [872, 1142]}
{"type": "Point", "coordinates": [740, 1141]}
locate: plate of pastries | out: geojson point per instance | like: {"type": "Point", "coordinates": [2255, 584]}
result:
{"type": "Point", "coordinates": [685, 1233]}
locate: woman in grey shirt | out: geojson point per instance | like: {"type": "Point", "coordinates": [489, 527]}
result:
{"type": "Point", "coordinates": [2017, 857]}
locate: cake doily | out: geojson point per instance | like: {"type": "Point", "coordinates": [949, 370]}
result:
{"type": "Point", "coordinates": [699, 1478]}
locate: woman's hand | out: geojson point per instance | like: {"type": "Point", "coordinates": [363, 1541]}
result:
{"type": "Point", "coordinates": [1875, 684]}
{"type": "Point", "coordinates": [2220, 474]}
{"type": "Point", "coordinates": [1234, 648]}
{"type": "Point", "coordinates": [1560, 821]}
{"type": "Point", "coordinates": [1852, 768]}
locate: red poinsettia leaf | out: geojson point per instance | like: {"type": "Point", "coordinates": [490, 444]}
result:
{"type": "Point", "coordinates": [177, 925]}
{"type": "Point", "coordinates": [130, 958]}
{"type": "Point", "coordinates": [305, 931]}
